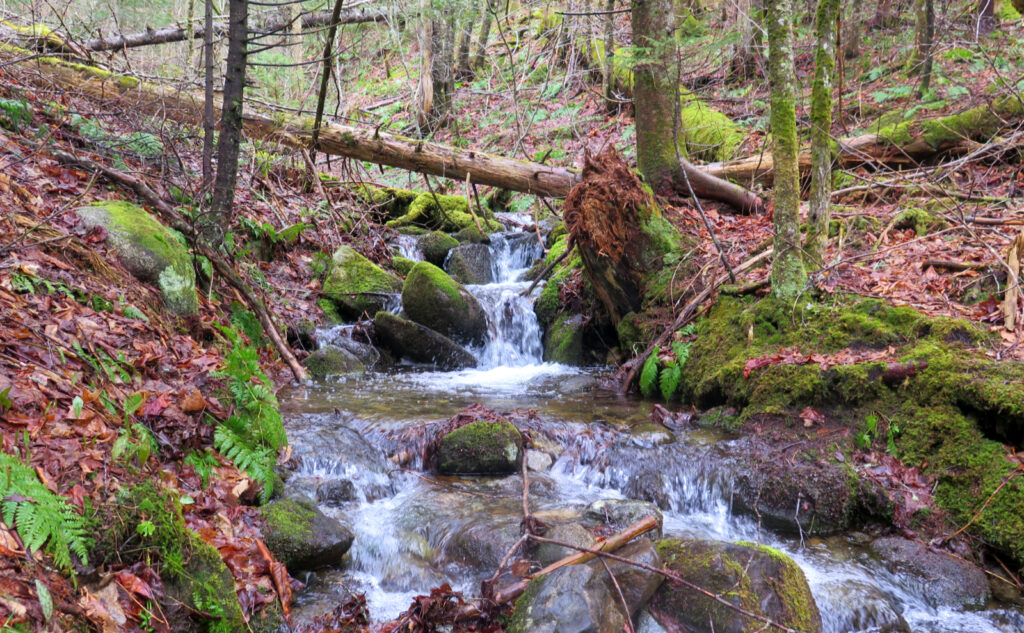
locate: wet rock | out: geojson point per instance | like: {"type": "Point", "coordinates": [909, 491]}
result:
{"type": "Point", "coordinates": [571, 533]}
{"type": "Point", "coordinates": [335, 492]}
{"type": "Point", "coordinates": [302, 537]}
{"type": "Point", "coordinates": [302, 335]}
{"type": "Point", "coordinates": [481, 542]}
{"type": "Point", "coordinates": [582, 598]}
{"type": "Point", "coordinates": [941, 578]}
{"type": "Point", "coordinates": [356, 286]}
{"type": "Point", "coordinates": [329, 453]}
{"type": "Point", "coordinates": [757, 578]}
{"type": "Point", "coordinates": [858, 606]}
{"type": "Point", "coordinates": [402, 264]}
{"type": "Point", "coordinates": [538, 461]}
{"type": "Point", "coordinates": [148, 249]}
{"type": "Point", "coordinates": [619, 514]}
{"type": "Point", "coordinates": [433, 299]}
{"type": "Point", "coordinates": [470, 264]}
{"type": "Point", "coordinates": [649, 435]}
{"type": "Point", "coordinates": [436, 246]}
{"type": "Point", "coordinates": [472, 235]}
{"type": "Point", "coordinates": [419, 344]}
{"type": "Point", "coordinates": [332, 361]}
{"type": "Point", "coordinates": [481, 448]}
{"type": "Point", "coordinates": [563, 341]}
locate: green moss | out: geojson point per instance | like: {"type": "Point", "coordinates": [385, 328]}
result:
{"type": "Point", "coordinates": [443, 212]}
{"type": "Point", "coordinates": [435, 247]}
{"type": "Point", "coordinates": [389, 200]}
{"type": "Point", "coordinates": [1006, 12]}
{"type": "Point", "coordinates": [402, 265]}
{"type": "Point", "coordinates": [563, 341]}
{"type": "Point", "coordinates": [355, 285]}
{"type": "Point", "coordinates": [425, 274]}
{"type": "Point", "coordinates": [920, 220]}
{"type": "Point", "coordinates": [981, 122]}
{"type": "Point", "coordinates": [289, 527]}
{"type": "Point", "coordinates": [481, 447]}
{"type": "Point", "coordinates": [707, 133]}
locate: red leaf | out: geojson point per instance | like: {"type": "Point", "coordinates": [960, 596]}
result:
{"type": "Point", "coordinates": [133, 584]}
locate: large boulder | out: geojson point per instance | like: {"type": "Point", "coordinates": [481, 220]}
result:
{"type": "Point", "coordinates": [149, 250]}
{"type": "Point", "coordinates": [759, 579]}
{"type": "Point", "coordinates": [563, 341]}
{"type": "Point", "coordinates": [431, 298]}
{"type": "Point", "coordinates": [333, 361]}
{"type": "Point", "coordinates": [945, 581]}
{"type": "Point", "coordinates": [435, 247]}
{"type": "Point", "coordinates": [355, 285]}
{"type": "Point", "coordinates": [302, 537]}
{"type": "Point", "coordinates": [419, 344]}
{"type": "Point", "coordinates": [471, 264]}
{"type": "Point", "coordinates": [583, 599]}
{"type": "Point", "coordinates": [481, 448]}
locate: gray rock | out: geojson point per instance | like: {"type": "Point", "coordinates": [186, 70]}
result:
{"type": "Point", "coordinates": [433, 299]}
{"type": "Point", "coordinates": [759, 579]}
{"type": "Point", "coordinates": [538, 461]}
{"type": "Point", "coordinates": [332, 361]}
{"type": "Point", "coordinates": [335, 492]}
{"type": "Point", "coordinates": [148, 249]}
{"type": "Point", "coordinates": [419, 344]}
{"type": "Point", "coordinates": [470, 264]}
{"type": "Point", "coordinates": [356, 286]}
{"type": "Point", "coordinates": [302, 537]}
{"type": "Point", "coordinates": [571, 533]}
{"type": "Point", "coordinates": [582, 598]}
{"type": "Point", "coordinates": [619, 514]}
{"type": "Point", "coordinates": [481, 448]}
{"type": "Point", "coordinates": [941, 578]}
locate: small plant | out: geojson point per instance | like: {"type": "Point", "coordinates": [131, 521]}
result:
{"type": "Point", "coordinates": [664, 375]}
{"type": "Point", "coordinates": [135, 441]}
{"type": "Point", "coordinates": [14, 114]}
{"type": "Point", "coordinates": [40, 516]}
{"type": "Point", "coordinates": [866, 437]}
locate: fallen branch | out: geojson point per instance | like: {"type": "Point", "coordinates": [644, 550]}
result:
{"type": "Point", "coordinates": [223, 268]}
{"type": "Point", "coordinates": [955, 266]}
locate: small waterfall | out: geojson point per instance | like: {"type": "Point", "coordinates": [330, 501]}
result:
{"type": "Point", "coordinates": [408, 246]}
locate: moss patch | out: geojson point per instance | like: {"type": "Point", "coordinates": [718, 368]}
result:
{"type": "Point", "coordinates": [355, 285]}
{"type": "Point", "coordinates": [483, 448]}
{"type": "Point", "coordinates": [442, 212]}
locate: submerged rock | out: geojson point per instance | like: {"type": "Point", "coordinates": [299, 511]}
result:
{"type": "Point", "coordinates": [333, 361]}
{"type": "Point", "coordinates": [419, 344]}
{"type": "Point", "coordinates": [756, 578]}
{"type": "Point", "coordinates": [433, 299]}
{"type": "Point", "coordinates": [435, 247]}
{"type": "Point", "coordinates": [582, 598]}
{"type": "Point", "coordinates": [470, 264]}
{"type": "Point", "coordinates": [355, 285]}
{"type": "Point", "coordinates": [481, 448]}
{"type": "Point", "coordinates": [302, 537]}
{"type": "Point", "coordinates": [148, 249]}
{"type": "Point", "coordinates": [942, 579]}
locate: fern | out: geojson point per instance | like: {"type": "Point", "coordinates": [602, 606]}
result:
{"type": "Point", "coordinates": [40, 516]}
{"type": "Point", "coordinates": [670, 377]}
{"type": "Point", "coordinates": [682, 352]}
{"type": "Point", "coordinates": [649, 374]}
{"type": "Point", "coordinates": [257, 462]}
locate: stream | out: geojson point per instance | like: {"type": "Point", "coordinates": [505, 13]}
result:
{"type": "Point", "coordinates": [415, 530]}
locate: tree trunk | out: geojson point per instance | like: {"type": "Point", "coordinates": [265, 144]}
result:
{"type": "Point", "coordinates": [883, 16]}
{"type": "Point", "coordinates": [437, 67]}
{"type": "Point", "coordinates": [208, 96]}
{"type": "Point", "coordinates": [819, 212]}
{"type": "Point", "coordinates": [611, 104]}
{"type": "Point", "coordinates": [325, 78]}
{"type": "Point", "coordinates": [747, 57]}
{"type": "Point", "coordinates": [490, 7]}
{"type": "Point", "coordinates": [788, 274]}
{"type": "Point", "coordinates": [851, 31]}
{"type": "Point", "coordinates": [986, 20]}
{"type": "Point", "coordinates": [463, 70]}
{"type": "Point", "coordinates": [927, 48]}
{"type": "Point", "coordinates": [222, 207]}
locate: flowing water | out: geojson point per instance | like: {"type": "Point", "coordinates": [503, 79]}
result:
{"type": "Point", "coordinates": [415, 530]}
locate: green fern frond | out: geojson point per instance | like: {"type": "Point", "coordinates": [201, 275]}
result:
{"type": "Point", "coordinates": [682, 351]}
{"type": "Point", "coordinates": [670, 377]}
{"type": "Point", "coordinates": [649, 374]}
{"type": "Point", "coordinates": [258, 463]}
{"type": "Point", "coordinates": [40, 516]}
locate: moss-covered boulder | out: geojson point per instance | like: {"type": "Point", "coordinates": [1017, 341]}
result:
{"type": "Point", "coordinates": [471, 264]}
{"type": "Point", "coordinates": [333, 361]}
{"type": "Point", "coordinates": [356, 286]}
{"type": "Point", "coordinates": [435, 247]}
{"type": "Point", "coordinates": [402, 264]}
{"type": "Point", "coordinates": [301, 536]}
{"type": "Point", "coordinates": [442, 212]}
{"type": "Point", "coordinates": [582, 598]}
{"type": "Point", "coordinates": [472, 235]}
{"type": "Point", "coordinates": [563, 341]}
{"type": "Point", "coordinates": [481, 448]}
{"type": "Point", "coordinates": [411, 341]}
{"type": "Point", "coordinates": [756, 578]}
{"type": "Point", "coordinates": [433, 299]}
{"type": "Point", "coordinates": [148, 249]}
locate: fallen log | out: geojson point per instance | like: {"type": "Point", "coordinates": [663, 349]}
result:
{"type": "Point", "coordinates": [39, 37]}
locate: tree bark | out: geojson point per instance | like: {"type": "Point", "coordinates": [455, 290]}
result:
{"type": "Point", "coordinates": [208, 124]}
{"type": "Point", "coordinates": [325, 78]}
{"type": "Point", "coordinates": [608, 76]}
{"type": "Point", "coordinates": [927, 48]}
{"type": "Point", "coordinates": [788, 274]}
{"type": "Point", "coordinates": [437, 67]}
{"type": "Point", "coordinates": [463, 69]}
{"type": "Point", "coordinates": [747, 57]}
{"type": "Point", "coordinates": [819, 212]}
{"type": "Point", "coordinates": [218, 219]}
{"type": "Point", "coordinates": [986, 19]}
{"type": "Point", "coordinates": [490, 7]}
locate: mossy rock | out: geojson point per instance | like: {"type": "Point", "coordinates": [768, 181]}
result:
{"type": "Point", "coordinates": [435, 246]}
{"type": "Point", "coordinates": [333, 361]}
{"type": "Point", "coordinates": [481, 448]}
{"type": "Point", "coordinates": [357, 286]}
{"type": "Point", "coordinates": [411, 341]}
{"type": "Point", "coordinates": [563, 341]}
{"type": "Point", "coordinates": [433, 299]}
{"type": "Point", "coordinates": [149, 250]}
{"type": "Point", "coordinates": [920, 220]}
{"type": "Point", "coordinates": [442, 212]}
{"type": "Point", "coordinates": [472, 235]}
{"type": "Point", "coordinates": [389, 201]}
{"type": "Point", "coordinates": [402, 264]}
{"type": "Point", "coordinates": [302, 537]}
{"type": "Point", "coordinates": [759, 579]}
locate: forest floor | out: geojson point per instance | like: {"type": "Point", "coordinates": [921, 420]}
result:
{"type": "Point", "coordinates": [80, 338]}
